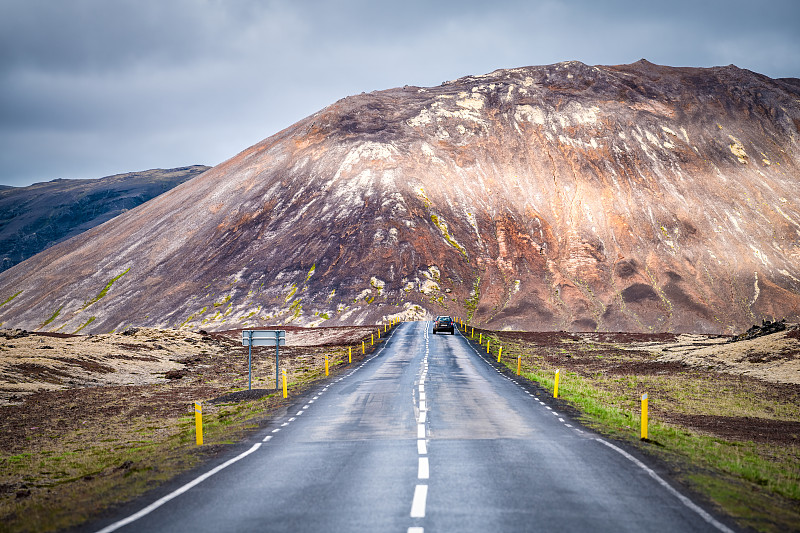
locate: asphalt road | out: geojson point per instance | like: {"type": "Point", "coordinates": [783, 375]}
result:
{"type": "Point", "coordinates": [424, 436]}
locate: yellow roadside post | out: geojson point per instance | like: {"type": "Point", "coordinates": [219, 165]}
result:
{"type": "Point", "coordinates": [488, 343]}
{"type": "Point", "coordinates": [372, 342]}
{"type": "Point", "coordinates": [363, 350]}
{"type": "Point", "coordinates": [472, 333]}
{"type": "Point", "coordinates": [555, 388]}
{"type": "Point", "coordinates": [644, 416]}
{"type": "Point", "coordinates": [519, 364]}
{"type": "Point", "coordinates": [499, 353]}
{"type": "Point", "coordinates": [326, 365]}
{"type": "Point", "coordinates": [349, 354]}
{"type": "Point", "coordinates": [198, 422]}
{"type": "Point", "coordinates": [480, 338]}
{"type": "Point", "coordinates": [285, 392]}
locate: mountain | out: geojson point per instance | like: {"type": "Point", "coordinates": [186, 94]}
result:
{"type": "Point", "coordinates": [36, 217]}
{"type": "Point", "coordinates": [563, 197]}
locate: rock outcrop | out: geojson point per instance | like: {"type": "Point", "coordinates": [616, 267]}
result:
{"type": "Point", "coordinates": [633, 197]}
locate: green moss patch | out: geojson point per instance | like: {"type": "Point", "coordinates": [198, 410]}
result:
{"type": "Point", "coordinates": [10, 298]}
{"type": "Point", "coordinates": [105, 290]}
{"type": "Point", "coordinates": [52, 317]}
{"type": "Point", "coordinates": [442, 225]}
{"type": "Point", "coordinates": [92, 319]}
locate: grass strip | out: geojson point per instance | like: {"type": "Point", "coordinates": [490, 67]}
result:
{"type": "Point", "coordinates": [756, 483]}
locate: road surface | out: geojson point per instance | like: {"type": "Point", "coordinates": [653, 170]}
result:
{"type": "Point", "coordinates": [425, 436]}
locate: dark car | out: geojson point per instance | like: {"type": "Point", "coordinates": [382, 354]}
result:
{"type": "Point", "coordinates": [443, 323]}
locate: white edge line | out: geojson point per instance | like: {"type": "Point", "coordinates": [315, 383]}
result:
{"type": "Point", "coordinates": [158, 503]}
{"type": "Point", "coordinates": [683, 499]}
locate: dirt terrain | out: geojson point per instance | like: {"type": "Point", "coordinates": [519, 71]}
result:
{"type": "Point", "coordinates": [86, 421]}
{"type": "Point", "coordinates": [38, 362]}
{"type": "Point", "coordinates": [763, 372]}
{"type": "Point", "coordinates": [773, 357]}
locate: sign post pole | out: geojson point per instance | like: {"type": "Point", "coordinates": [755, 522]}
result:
{"type": "Point", "coordinates": [250, 361]}
{"type": "Point", "coordinates": [277, 344]}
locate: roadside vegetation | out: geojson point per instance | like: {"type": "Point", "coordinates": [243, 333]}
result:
{"type": "Point", "coordinates": [68, 455]}
{"type": "Point", "coordinates": [732, 439]}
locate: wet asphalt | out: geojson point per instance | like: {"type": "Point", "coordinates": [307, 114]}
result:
{"type": "Point", "coordinates": [424, 436]}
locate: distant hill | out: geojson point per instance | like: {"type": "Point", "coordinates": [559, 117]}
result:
{"type": "Point", "coordinates": [638, 198]}
{"type": "Point", "coordinates": [36, 217]}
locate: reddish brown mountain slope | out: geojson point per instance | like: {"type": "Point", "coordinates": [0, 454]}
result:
{"type": "Point", "coordinates": [633, 197]}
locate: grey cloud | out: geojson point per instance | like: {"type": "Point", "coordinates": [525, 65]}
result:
{"type": "Point", "coordinates": [92, 87]}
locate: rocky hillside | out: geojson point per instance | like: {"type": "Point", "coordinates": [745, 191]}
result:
{"type": "Point", "coordinates": [633, 197]}
{"type": "Point", "coordinates": [36, 217]}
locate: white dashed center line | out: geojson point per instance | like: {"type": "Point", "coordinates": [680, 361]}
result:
{"type": "Point", "coordinates": [419, 501]}
{"type": "Point", "coordinates": [423, 471]}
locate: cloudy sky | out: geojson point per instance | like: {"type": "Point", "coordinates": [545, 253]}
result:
{"type": "Point", "coordinates": [90, 88]}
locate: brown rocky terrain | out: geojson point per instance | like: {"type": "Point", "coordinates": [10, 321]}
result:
{"type": "Point", "coordinates": [562, 197]}
{"type": "Point", "coordinates": [46, 362]}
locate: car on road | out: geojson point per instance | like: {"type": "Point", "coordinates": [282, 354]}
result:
{"type": "Point", "coordinates": [443, 323]}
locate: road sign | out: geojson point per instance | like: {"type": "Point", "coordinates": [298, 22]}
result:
{"type": "Point", "coordinates": [263, 337]}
